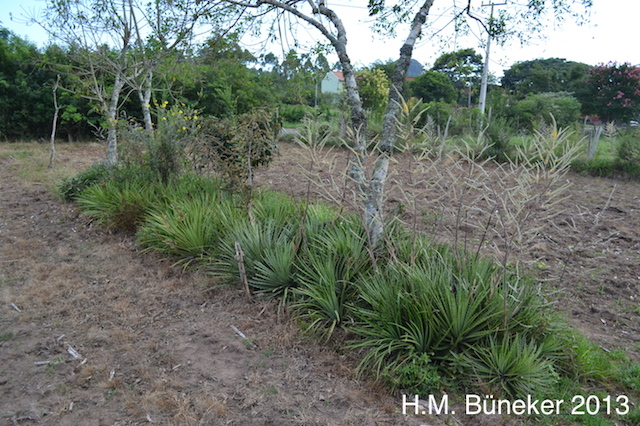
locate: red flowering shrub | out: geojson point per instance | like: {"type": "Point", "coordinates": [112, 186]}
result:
{"type": "Point", "coordinates": [615, 91]}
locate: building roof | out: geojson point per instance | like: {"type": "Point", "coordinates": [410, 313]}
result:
{"type": "Point", "coordinates": [339, 75]}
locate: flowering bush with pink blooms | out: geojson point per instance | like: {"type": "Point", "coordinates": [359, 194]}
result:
{"type": "Point", "coordinates": [616, 91]}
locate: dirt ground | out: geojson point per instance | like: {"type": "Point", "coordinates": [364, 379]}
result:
{"type": "Point", "coordinates": [94, 332]}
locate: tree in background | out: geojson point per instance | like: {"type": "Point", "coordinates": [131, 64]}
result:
{"type": "Point", "coordinates": [544, 76]}
{"type": "Point", "coordinates": [433, 86]}
{"type": "Point", "coordinates": [25, 101]}
{"type": "Point", "coordinates": [464, 69]}
{"type": "Point", "coordinates": [374, 88]}
{"type": "Point", "coordinates": [221, 81]}
{"type": "Point", "coordinates": [612, 92]}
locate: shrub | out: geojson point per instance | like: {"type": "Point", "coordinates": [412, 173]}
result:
{"type": "Point", "coordinates": [465, 315]}
{"type": "Point", "coordinates": [189, 227]}
{"type": "Point", "coordinates": [629, 148]}
{"type": "Point", "coordinates": [415, 375]}
{"type": "Point", "coordinates": [539, 107]}
{"type": "Point", "coordinates": [293, 113]}
{"type": "Point", "coordinates": [161, 151]}
{"type": "Point", "coordinates": [119, 205]}
{"type": "Point", "coordinates": [434, 86]}
{"type": "Point", "coordinates": [72, 187]}
{"type": "Point", "coordinates": [268, 254]}
{"type": "Point", "coordinates": [235, 146]}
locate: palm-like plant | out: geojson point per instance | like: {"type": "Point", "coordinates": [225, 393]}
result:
{"type": "Point", "coordinates": [187, 227]}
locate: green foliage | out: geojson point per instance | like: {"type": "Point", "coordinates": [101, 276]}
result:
{"type": "Point", "coordinates": [462, 313]}
{"type": "Point", "coordinates": [188, 227]}
{"type": "Point", "coordinates": [72, 187]}
{"type": "Point", "coordinates": [293, 113]}
{"type": "Point", "coordinates": [513, 366]}
{"type": "Point", "coordinates": [373, 86]}
{"type": "Point", "coordinates": [268, 254]}
{"type": "Point", "coordinates": [26, 100]}
{"type": "Point", "coordinates": [464, 69]}
{"type": "Point", "coordinates": [332, 259]}
{"type": "Point", "coordinates": [235, 147]}
{"type": "Point", "coordinates": [612, 92]}
{"type": "Point", "coordinates": [498, 134]}
{"type": "Point", "coordinates": [121, 205]}
{"type": "Point", "coordinates": [628, 151]}
{"type": "Point", "coordinates": [415, 375]}
{"type": "Point", "coordinates": [539, 107]}
{"type": "Point", "coordinates": [433, 86]}
{"type": "Point", "coordinates": [545, 76]}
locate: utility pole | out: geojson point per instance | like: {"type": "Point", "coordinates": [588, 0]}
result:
{"type": "Point", "coordinates": [485, 70]}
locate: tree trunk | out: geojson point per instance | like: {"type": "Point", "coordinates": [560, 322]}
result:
{"type": "Point", "coordinates": [389, 126]}
{"type": "Point", "coordinates": [112, 113]}
{"type": "Point", "coordinates": [145, 101]}
{"type": "Point", "coordinates": [54, 125]}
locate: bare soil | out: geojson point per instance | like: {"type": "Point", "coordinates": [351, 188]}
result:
{"type": "Point", "coordinates": [92, 331]}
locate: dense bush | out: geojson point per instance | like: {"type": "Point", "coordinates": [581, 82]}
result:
{"type": "Point", "coordinates": [161, 151]}
{"type": "Point", "coordinates": [420, 316]}
{"type": "Point", "coordinates": [235, 146]}
{"type": "Point", "coordinates": [629, 148]}
{"type": "Point", "coordinates": [293, 113]}
{"type": "Point", "coordinates": [433, 86]}
{"type": "Point", "coordinates": [539, 107]}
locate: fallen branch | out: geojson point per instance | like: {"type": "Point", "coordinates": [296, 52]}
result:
{"type": "Point", "coordinates": [245, 338]}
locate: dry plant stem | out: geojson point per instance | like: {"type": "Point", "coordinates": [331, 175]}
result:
{"type": "Point", "coordinates": [241, 270]}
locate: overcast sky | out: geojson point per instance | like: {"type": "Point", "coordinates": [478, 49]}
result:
{"type": "Point", "coordinates": [611, 35]}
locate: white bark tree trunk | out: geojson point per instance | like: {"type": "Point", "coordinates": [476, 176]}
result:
{"type": "Point", "coordinates": [112, 115]}
{"type": "Point", "coordinates": [389, 127]}
{"type": "Point", "coordinates": [145, 100]}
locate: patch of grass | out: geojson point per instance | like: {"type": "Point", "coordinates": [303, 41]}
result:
{"type": "Point", "coordinates": [6, 336]}
{"type": "Point", "coordinates": [31, 159]}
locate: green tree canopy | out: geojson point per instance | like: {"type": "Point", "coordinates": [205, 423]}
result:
{"type": "Point", "coordinates": [464, 69]}
{"type": "Point", "coordinates": [434, 86]}
{"type": "Point", "coordinates": [544, 76]}
{"type": "Point", "coordinates": [26, 103]}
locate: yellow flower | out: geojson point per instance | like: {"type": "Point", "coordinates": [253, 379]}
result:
{"type": "Point", "coordinates": [184, 128]}
{"type": "Point", "coordinates": [164, 118]}
{"type": "Point", "coordinates": [180, 112]}
{"type": "Point", "coordinates": [195, 117]}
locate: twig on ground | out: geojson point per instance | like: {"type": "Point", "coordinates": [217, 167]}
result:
{"type": "Point", "coordinates": [241, 334]}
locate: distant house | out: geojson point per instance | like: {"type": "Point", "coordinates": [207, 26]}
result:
{"type": "Point", "coordinates": [333, 82]}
